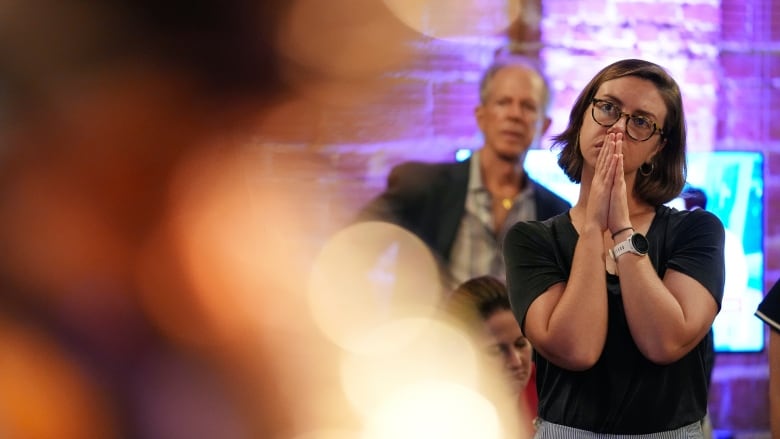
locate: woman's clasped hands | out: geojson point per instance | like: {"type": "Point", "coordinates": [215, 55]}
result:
{"type": "Point", "coordinates": [608, 199]}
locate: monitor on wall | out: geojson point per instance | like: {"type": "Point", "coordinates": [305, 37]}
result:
{"type": "Point", "coordinates": [732, 182]}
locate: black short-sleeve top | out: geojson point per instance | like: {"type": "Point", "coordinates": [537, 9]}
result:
{"type": "Point", "coordinates": [624, 392]}
{"type": "Point", "coordinates": [769, 308]}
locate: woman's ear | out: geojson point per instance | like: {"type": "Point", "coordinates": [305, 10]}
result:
{"type": "Point", "coordinates": [479, 115]}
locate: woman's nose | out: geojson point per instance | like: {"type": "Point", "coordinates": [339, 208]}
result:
{"type": "Point", "coordinates": [620, 124]}
{"type": "Point", "coordinates": [514, 358]}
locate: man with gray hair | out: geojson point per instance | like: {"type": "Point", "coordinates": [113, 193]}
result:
{"type": "Point", "coordinates": [463, 210]}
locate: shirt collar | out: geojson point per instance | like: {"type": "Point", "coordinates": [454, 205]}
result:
{"type": "Point", "coordinates": [475, 174]}
{"type": "Point", "coordinates": [475, 177]}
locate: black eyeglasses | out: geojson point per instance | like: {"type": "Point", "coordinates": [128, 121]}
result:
{"type": "Point", "coordinates": [639, 128]}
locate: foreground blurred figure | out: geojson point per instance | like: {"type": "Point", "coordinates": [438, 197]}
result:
{"type": "Point", "coordinates": [146, 290]}
{"type": "Point", "coordinates": [100, 106]}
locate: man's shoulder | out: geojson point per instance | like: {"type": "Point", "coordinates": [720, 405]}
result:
{"type": "Point", "coordinates": [544, 192]}
{"type": "Point", "coordinates": [419, 172]}
{"type": "Point", "coordinates": [548, 202]}
{"type": "Point", "coordinates": [427, 168]}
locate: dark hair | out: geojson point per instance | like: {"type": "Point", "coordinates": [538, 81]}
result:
{"type": "Point", "coordinates": [694, 197]}
{"type": "Point", "coordinates": [485, 294]}
{"type": "Point", "coordinates": [668, 175]}
{"type": "Point", "coordinates": [228, 47]}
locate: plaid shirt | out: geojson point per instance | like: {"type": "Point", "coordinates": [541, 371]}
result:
{"type": "Point", "coordinates": [478, 249]}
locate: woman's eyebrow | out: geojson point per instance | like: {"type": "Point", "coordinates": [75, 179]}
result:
{"type": "Point", "coordinates": [640, 112]}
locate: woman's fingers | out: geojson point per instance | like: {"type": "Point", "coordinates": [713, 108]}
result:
{"type": "Point", "coordinates": [601, 186]}
{"type": "Point", "coordinates": [618, 205]}
{"type": "Point", "coordinates": [607, 149]}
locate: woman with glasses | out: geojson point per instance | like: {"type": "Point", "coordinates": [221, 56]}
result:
{"type": "Point", "coordinates": [618, 295]}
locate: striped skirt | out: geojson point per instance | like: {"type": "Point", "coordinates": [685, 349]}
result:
{"type": "Point", "coordinates": [548, 430]}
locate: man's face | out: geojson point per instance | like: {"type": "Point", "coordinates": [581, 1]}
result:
{"type": "Point", "coordinates": [512, 117]}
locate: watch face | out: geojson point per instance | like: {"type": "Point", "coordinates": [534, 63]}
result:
{"type": "Point", "coordinates": [640, 243]}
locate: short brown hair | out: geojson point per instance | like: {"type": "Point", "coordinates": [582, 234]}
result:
{"type": "Point", "coordinates": [478, 299]}
{"type": "Point", "coordinates": [669, 166]}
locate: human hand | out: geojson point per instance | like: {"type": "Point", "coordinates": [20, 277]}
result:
{"type": "Point", "coordinates": [601, 187]}
{"type": "Point", "coordinates": [618, 217]}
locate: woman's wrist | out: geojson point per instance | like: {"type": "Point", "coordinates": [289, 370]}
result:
{"type": "Point", "coordinates": [622, 231]}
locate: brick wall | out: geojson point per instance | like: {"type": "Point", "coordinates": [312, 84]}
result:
{"type": "Point", "coordinates": [723, 53]}
{"type": "Point", "coordinates": [747, 84]}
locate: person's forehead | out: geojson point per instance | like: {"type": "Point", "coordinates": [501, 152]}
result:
{"type": "Point", "coordinates": [635, 92]}
{"type": "Point", "coordinates": [503, 323]}
{"type": "Point", "coordinates": [519, 78]}
{"type": "Point", "coordinates": [518, 71]}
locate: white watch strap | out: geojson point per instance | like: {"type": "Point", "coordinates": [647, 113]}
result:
{"type": "Point", "coordinates": [622, 247]}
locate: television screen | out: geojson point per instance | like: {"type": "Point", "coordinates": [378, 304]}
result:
{"type": "Point", "coordinates": [732, 185]}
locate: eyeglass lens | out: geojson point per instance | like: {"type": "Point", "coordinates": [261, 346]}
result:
{"type": "Point", "coordinates": [607, 114]}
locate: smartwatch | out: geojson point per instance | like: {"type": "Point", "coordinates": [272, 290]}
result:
{"type": "Point", "coordinates": [636, 244]}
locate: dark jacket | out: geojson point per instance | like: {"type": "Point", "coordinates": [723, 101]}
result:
{"type": "Point", "coordinates": [429, 199]}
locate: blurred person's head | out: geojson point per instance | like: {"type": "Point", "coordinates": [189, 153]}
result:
{"type": "Point", "coordinates": [122, 125]}
{"type": "Point", "coordinates": [220, 46]}
{"type": "Point", "coordinates": [694, 198]}
{"type": "Point", "coordinates": [512, 113]}
{"type": "Point", "coordinates": [105, 103]}
{"type": "Point", "coordinates": [486, 298]}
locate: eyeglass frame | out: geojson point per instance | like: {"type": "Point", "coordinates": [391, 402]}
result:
{"type": "Point", "coordinates": [595, 101]}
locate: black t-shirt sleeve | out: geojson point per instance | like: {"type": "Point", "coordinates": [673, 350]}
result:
{"type": "Point", "coordinates": [697, 250]}
{"type": "Point", "coordinates": [769, 308]}
{"type": "Point", "coordinates": [532, 264]}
